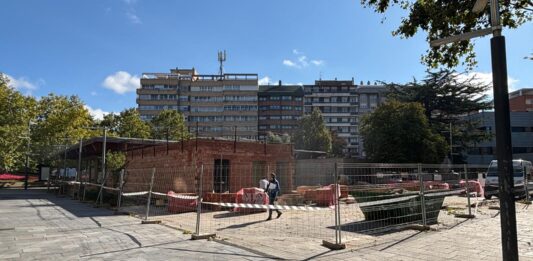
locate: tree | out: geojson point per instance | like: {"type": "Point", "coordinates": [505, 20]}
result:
{"type": "Point", "coordinates": [447, 97]}
{"type": "Point", "coordinates": [338, 145]}
{"type": "Point", "coordinates": [129, 124]}
{"type": "Point", "coordinates": [61, 120]}
{"type": "Point", "coordinates": [312, 133]}
{"type": "Point", "coordinates": [275, 138]}
{"type": "Point", "coordinates": [169, 124]}
{"type": "Point", "coordinates": [446, 18]}
{"type": "Point", "coordinates": [399, 132]}
{"type": "Point", "coordinates": [16, 110]}
{"type": "Point", "coordinates": [110, 121]}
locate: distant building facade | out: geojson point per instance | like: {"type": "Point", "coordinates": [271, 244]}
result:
{"type": "Point", "coordinates": [521, 135]}
{"type": "Point", "coordinates": [213, 105]}
{"type": "Point", "coordinates": [280, 109]}
{"type": "Point", "coordinates": [521, 100]}
{"type": "Point", "coordinates": [370, 97]}
{"type": "Point", "coordinates": [338, 102]}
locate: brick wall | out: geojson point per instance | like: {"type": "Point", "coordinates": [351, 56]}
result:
{"type": "Point", "coordinates": [178, 166]}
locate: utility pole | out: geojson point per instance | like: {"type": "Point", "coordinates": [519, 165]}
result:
{"type": "Point", "coordinates": [504, 151]}
{"type": "Point", "coordinates": [504, 145]}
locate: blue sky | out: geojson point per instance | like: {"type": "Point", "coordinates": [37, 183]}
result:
{"type": "Point", "coordinates": [98, 49]}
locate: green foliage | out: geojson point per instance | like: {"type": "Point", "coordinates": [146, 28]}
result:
{"type": "Point", "coordinates": [400, 133]}
{"type": "Point", "coordinates": [338, 145]}
{"type": "Point", "coordinates": [312, 133]}
{"type": "Point", "coordinates": [130, 125]}
{"type": "Point", "coordinates": [16, 110]}
{"type": "Point", "coordinates": [61, 120]}
{"type": "Point", "coordinates": [169, 124]}
{"type": "Point", "coordinates": [446, 97]}
{"type": "Point", "coordinates": [275, 138]}
{"type": "Point", "coordinates": [115, 161]}
{"type": "Point", "coordinates": [446, 18]}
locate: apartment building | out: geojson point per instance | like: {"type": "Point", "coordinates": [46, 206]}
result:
{"type": "Point", "coordinates": [222, 105]}
{"type": "Point", "coordinates": [280, 108]}
{"type": "Point", "coordinates": [338, 102]}
{"type": "Point", "coordinates": [521, 136]}
{"type": "Point", "coordinates": [521, 100]}
{"type": "Point", "coordinates": [370, 97]}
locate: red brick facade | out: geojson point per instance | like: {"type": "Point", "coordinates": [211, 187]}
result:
{"type": "Point", "coordinates": [178, 166]}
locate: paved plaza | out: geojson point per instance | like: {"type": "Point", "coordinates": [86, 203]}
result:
{"type": "Point", "coordinates": [35, 225]}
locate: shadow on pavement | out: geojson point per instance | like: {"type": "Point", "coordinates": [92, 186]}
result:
{"type": "Point", "coordinates": [71, 206]}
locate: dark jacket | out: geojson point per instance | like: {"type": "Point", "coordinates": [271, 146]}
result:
{"type": "Point", "coordinates": [273, 193]}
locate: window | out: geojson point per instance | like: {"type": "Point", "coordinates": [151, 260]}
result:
{"type": "Point", "coordinates": [529, 101]}
{"type": "Point", "coordinates": [286, 108]}
{"type": "Point", "coordinates": [275, 117]}
{"type": "Point", "coordinates": [298, 98]}
{"type": "Point", "coordinates": [262, 98]}
{"type": "Point", "coordinates": [232, 88]}
{"type": "Point", "coordinates": [286, 98]}
{"type": "Point", "coordinates": [263, 108]}
{"type": "Point", "coordinates": [274, 107]}
{"type": "Point", "coordinates": [274, 98]}
{"type": "Point", "coordinates": [262, 117]}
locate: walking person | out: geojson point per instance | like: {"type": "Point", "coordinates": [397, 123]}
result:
{"type": "Point", "coordinates": [273, 190]}
{"type": "Point", "coordinates": [263, 183]}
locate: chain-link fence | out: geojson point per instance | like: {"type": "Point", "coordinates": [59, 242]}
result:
{"type": "Point", "coordinates": [311, 200]}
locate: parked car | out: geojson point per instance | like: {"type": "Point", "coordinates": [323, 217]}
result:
{"type": "Point", "coordinates": [522, 174]}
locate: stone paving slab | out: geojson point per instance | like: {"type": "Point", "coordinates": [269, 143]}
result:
{"type": "Point", "coordinates": [39, 226]}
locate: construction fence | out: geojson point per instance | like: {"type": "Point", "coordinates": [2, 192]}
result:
{"type": "Point", "coordinates": [323, 201]}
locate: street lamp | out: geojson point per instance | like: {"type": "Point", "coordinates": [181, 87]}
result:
{"type": "Point", "coordinates": [504, 152]}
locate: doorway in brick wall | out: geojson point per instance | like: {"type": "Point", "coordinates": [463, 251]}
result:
{"type": "Point", "coordinates": [221, 175]}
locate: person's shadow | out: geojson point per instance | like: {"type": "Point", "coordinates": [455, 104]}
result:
{"type": "Point", "coordinates": [241, 225]}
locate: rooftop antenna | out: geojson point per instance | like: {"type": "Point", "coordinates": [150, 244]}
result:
{"type": "Point", "coordinates": [221, 60]}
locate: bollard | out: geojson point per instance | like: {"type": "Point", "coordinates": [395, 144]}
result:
{"type": "Point", "coordinates": [120, 185]}
{"type": "Point", "coordinates": [422, 196]}
{"type": "Point", "coordinates": [149, 195]}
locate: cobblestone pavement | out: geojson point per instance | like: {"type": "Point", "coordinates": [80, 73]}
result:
{"type": "Point", "coordinates": [42, 226]}
{"type": "Point", "coordinates": [39, 226]}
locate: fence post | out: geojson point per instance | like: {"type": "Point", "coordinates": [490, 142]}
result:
{"type": "Point", "coordinates": [149, 195]}
{"type": "Point", "coordinates": [338, 245]}
{"type": "Point", "coordinates": [526, 184]}
{"type": "Point", "coordinates": [84, 189]}
{"type": "Point", "coordinates": [422, 196]}
{"type": "Point", "coordinates": [199, 200]}
{"type": "Point", "coordinates": [337, 206]}
{"type": "Point", "coordinates": [119, 197]}
{"type": "Point", "coordinates": [467, 189]}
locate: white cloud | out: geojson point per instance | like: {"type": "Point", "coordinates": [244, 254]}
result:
{"type": "Point", "coordinates": [264, 81]}
{"type": "Point", "coordinates": [486, 78]}
{"type": "Point", "coordinates": [23, 84]}
{"type": "Point", "coordinates": [122, 82]}
{"type": "Point", "coordinates": [291, 63]}
{"type": "Point", "coordinates": [301, 60]}
{"type": "Point", "coordinates": [96, 113]}
{"type": "Point", "coordinates": [133, 17]}
{"type": "Point", "coordinates": [93, 93]}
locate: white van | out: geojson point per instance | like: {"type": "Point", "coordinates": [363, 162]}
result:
{"type": "Point", "coordinates": [522, 170]}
